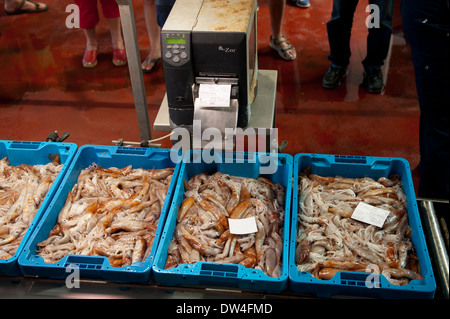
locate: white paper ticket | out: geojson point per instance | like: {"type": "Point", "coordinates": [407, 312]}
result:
{"type": "Point", "coordinates": [370, 214]}
{"type": "Point", "coordinates": [242, 226]}
{"type": "Point", "coordinates": [214, 95]}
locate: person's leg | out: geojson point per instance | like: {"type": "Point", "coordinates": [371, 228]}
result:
{"type": "Point", "coordinates": [154, 36]}
{"type": "Point", "coordinates": [89, 17]}
{"type": "Point", "coordinates": [88, 21]}
{"type": "Point", "coordinates": [119, 52]}
{"type": "Point", "coordinates": [426, 28]}
{"type": "Point", "coordinates": [278, 42]}
{"type": "Point", "coordinates": [116, 33]}
{"type": "Point", "coordinates": [378, 41]}
{"type": "Point", "coordinates": [112, 14]}
{"type": "Point", "coordinates": [339, 30]}
{"type": "Point", "coordinates": [379, 38]}
{"type": "Point", "coordinates": [91, 39]}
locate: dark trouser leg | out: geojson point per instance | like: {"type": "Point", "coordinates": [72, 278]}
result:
{"type": "Point", "coordinates": [339, 30]}
{"type": "Point", "coordinates": [427, 31]}
{"type": "Point", "coordinates": [379, 37]}
{"type": "Point", "coordinates": [163, 11]}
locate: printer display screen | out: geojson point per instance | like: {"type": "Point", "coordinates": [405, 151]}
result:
{"type": "Point", "coordinates": [176, 40]}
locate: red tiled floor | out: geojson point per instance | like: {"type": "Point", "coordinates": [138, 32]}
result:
{"type": "Point", "coordinates": [43, 86]}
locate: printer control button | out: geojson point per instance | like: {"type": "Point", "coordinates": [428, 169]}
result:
{"type": "Point", "coordinates": [176, 46]}
{"type": "Point", "coordinates": [176, 59]}
{"type": "Point", "coordinates": [183, 55]}
{"type": "Point", "coordinates": [175, 51]}
{"type": "Point", "coordinates": [168, 55]}
{"type": "Point", "coordinates": [182, 47]}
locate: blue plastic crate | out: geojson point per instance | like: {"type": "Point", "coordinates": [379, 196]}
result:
{"type": "Point", "coordinates": [354, 283]}
{"type": "Point", "coordinates": [229, 275]}
{"type": "Point", "coordinates": [98, 267]}
{"type": "Point", "coordinates": [34, 153]}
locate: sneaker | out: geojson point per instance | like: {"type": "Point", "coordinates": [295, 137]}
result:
{"type": "Point", "coordinates": [302, 3]}
{"type": "Point", "coordinates": [373, 80]}
{"type": "Point", "coordinates": [333, 77]}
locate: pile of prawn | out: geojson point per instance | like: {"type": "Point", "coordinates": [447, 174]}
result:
{"type": "Point", "coordinates": [109, 212]}
{"type": "Point", "coordinates": [329, 240]}
{"type": "Point", "coordinates": [22, 190]}
{"type": "Point", "coordinates": [202, 232]}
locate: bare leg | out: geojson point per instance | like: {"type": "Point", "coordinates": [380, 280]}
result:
{"type": "Point", "coordinates": [119, 53]}
{"type": "Point", "coordinates": [154, 34]}
{"type": "Point", "coordinates": [276, 8]}
{"type": "Point", "coordinates": [116, 33]}
{"type": "Point", "coordinates": [90, 55]}
{"type": "Point", "coordinates": [91, 39]}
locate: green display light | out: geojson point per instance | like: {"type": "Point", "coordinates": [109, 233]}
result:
{"type": "Point", "coordinates": [175, 40]}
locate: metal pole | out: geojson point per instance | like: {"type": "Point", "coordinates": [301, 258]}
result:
{"type": "Point", "coordinates": [437, 242]}
{"type": "Point", "coordinates": [134, 65]}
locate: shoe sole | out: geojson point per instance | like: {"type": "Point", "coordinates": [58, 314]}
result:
{"type": "Point", "coordinates": [90, 65]}
{"type": "Point", "coordinates": [119, 63]}
{"type": "Point", "coordinates": [375, 91]}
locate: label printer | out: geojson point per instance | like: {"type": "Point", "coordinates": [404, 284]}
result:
{"type": "Point", "coordinates": [209, 50]}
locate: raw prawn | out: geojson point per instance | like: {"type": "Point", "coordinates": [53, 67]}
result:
{"type": "Point", "coordinates": [110, 212]}
{"type": "Point", "coordinates": [329, 240]}
{"type": "Point", "coordinates": [23, 188]}
{"type": "Point", "coordinates": [209, 201]}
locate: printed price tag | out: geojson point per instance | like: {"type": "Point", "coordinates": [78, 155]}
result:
{"type": "Point", "coordinates": [242, 226]}
{"type": "Point", "coordinates": [370, 214]}
{"type": "Point", "coordinates": [214, 95]}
